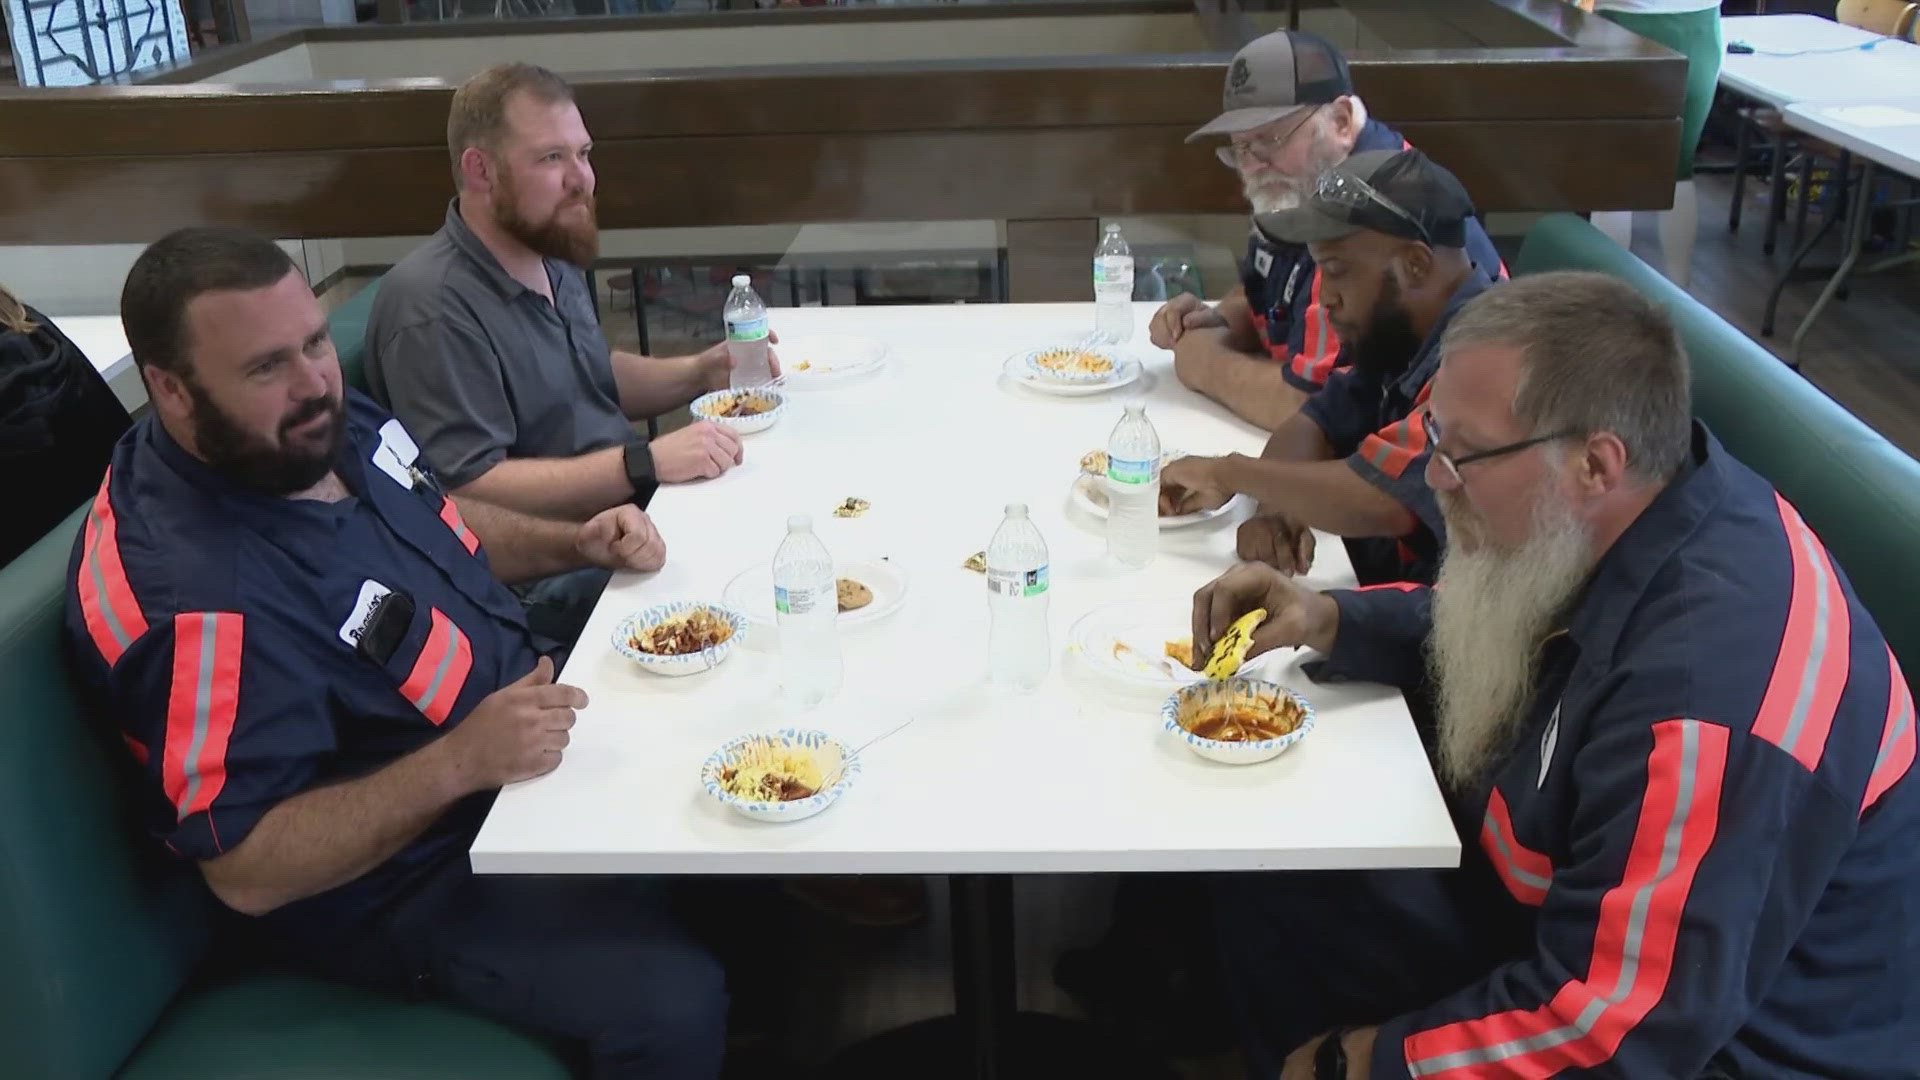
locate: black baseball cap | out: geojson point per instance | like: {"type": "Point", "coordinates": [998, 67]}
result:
{"type": "Point", "coordinates": [1398, 192]}
{"type": "Point", "coordinates": [1274, 77]}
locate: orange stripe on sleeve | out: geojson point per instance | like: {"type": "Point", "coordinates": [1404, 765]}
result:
{"type": "Point", "coordinates": [1897, 743]}
{"type": "Point", "coordinates": [202, 705]}
{"type": "Point", "coordinates": [1633, 950]}
{"type": "Point", "coordinates": [1528, 874]}
{"type": "Point", "coordinates": [450, 513]}
{"type": "Point", "coordinates": [107, 605]}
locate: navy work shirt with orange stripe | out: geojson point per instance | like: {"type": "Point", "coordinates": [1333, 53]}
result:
{"type": "Point", "coordinates": [1706, 825]}
{"type": "Point", "coordinates": [1283, 288]}
{"type": "Point", "coordinates": [222, 629]}
{"type": "Point", "coordinates": [1379, 425]}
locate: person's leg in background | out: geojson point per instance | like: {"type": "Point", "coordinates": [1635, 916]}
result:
{"type": "Point", "coordinates": [1307, 951]}
{"type": "Point", "coordinates": [558, 608]}
{"type": "Point", "coordinates": [1695, 35]}
{"type": "Point", "coordinates": [600, 964]}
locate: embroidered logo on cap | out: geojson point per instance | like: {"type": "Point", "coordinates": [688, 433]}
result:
{"type": "Point", "coordinates": [1239, 75]}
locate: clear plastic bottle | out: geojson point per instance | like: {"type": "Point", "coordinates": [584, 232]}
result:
{"type": "Point", "coordinates": [1018, 649]}
{"type": "Point", "coordinates": [806, 606]}
{"type": "Point", "coordinates": [747, 334]}
{"type": "Point", "coordinates": [1133, 488]}
{"type": "Point", "coordinates": [1113, 288]}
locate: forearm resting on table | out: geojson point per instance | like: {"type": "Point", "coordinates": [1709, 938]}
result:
{"type": "Point", "coordinates": [1298, 438]}
{"type": "Point", "coordinates": [1324, 495]}
{"type": "Point", "coordinates": [327, 836]}
{"type": "Point", "coordinates": [522, 547]}
{"type": "Point", "coordinates": [574, 488]}
{"type": "Point", "coordinates": [1254, 388]}
{"type": "Point", "coordinates": [651, 385]}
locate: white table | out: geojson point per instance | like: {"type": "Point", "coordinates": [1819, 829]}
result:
{"type": "Point", "coordinates": [1067, 779]}
{"type": "Point", "coordinates": [1808, 58]}
{"type": "Point", "coordinates": [104, 341]}
{"type": "Point", "coordinates": [1882, 133]}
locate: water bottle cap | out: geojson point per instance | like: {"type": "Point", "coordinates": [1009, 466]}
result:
{"type": "Point", "coordinates": [1113, 226]}
{"type": "Point", "coordinates": [800, 523]}
{"type": "Point", "coordinates": [1136, 408]}
{"type": "Point", "coordinates": [741, 281]}
{"type": "Point", "coordinates": [1017, 510]}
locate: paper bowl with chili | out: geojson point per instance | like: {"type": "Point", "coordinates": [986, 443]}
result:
{"type": "Point", "coordinates": [682, 638]}
{"type": "Point", "coordinates": [1237, 721]}
{"type": "Point", "coordinates": [785, 775]}
{"type": "Point", "coordinates": [745, 411]}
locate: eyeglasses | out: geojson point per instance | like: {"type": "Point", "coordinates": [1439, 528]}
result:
{"type": "Point", "coordinates": [1345, 189]}
{"type": "Point", "coordinates": [1450, 466]}
{"type": "Point", "coordinates": [1262, 148]}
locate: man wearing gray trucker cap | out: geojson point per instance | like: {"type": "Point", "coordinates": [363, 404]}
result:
{"type": "Point", "coordinates": [1290, 114]}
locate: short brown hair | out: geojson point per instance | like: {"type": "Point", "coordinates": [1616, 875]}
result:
{"type": "Point", "coordinates": [1598, 357]}
{"type": "Point", "coordinates": [479, 113]}
{"type": "Point", "coordinates": [180, 266]}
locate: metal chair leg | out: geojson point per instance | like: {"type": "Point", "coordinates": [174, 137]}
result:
{"type": "Point", "coordinates": [1804, 201]}
{"type": "Point", "coordinates": [1743, 145]}
{"type": "Point", "coordinates": [1777, 194]}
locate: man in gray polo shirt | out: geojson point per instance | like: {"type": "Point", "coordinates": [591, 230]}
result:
{"type": "Point", "coordinates": [485, 343]}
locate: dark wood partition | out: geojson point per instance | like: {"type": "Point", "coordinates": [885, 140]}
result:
{"type": "Point", "coordinates": [1534, 105]}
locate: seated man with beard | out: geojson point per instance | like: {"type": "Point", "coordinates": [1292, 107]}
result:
{"type": "Point", "coordinates": [1290, 115]}
{"type": "Point", "coordinates": [322, 683]}
{"type": "Point", "coordinates": [1388, 231]}
{"type": "Point", "coordinates": [1680, 740]}
{"type": "Point", "coordinates": [484, 341]}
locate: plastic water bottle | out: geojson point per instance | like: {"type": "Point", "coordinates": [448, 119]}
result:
{"type": "Point", "coordinates": [1133, 488]}
{"type": "Point", "coordinates": [747, 334]}
{"type": "Point", "coordinates": [1113, 288]}
{"type": "Point", "coordinates": [806, 605]}
{"type": "Point", "coordinates": [1018, 651]}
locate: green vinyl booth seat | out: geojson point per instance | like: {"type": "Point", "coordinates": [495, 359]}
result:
{"type": "Point", "coordinates": [348, 327]}
{"type": "Point", "coordinates": [103, 937]}
{"type": "Point", "coordinates": [1860, 492]}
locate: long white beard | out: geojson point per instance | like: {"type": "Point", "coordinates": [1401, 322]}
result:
{"type": "Point", "coordinates": [1492, 610]}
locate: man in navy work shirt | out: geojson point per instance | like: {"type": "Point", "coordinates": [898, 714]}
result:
{"type": "Point", "coordinates": [1290, 115]}
{"type": "Point", "coordinates": [1388, 230]}
{"type": "Point", "coordinates": [1679, 739]}
{"type": "Point", "coordinates": [311, 657]}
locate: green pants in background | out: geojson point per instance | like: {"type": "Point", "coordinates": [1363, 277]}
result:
{"type": "Point", "coordinates": [1696, 36]}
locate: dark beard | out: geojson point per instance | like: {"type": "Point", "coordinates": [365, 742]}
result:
{"type": "Point", "coordinates": [1389, 342]}
{"type": "Point", "coordinates": [552, 239]}
{"type": "Point", "coordinates": [244, 459]}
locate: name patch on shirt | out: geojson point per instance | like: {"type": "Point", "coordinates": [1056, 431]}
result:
{"type": "Point", "coordinates": [373, 596]}
{"type": "Point", "coordinates": [396, 453]}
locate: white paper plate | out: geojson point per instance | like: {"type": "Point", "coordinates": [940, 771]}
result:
{"type": "Point", "coordinates": [1015, 369]}
{"type": "Point", "coordinates": [751, 592]}
{"type": "Point", "coordinates": [1088, 495]}
{"type": "Point", "coordinates": [831, 359]}
{"type": "Point", "coordinates": [1126, 643]}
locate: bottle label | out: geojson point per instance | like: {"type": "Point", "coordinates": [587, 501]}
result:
{"type": "Point", "coordinates": [747, 329]}
{"type": "Point", "coordinates": [1123, 471]}
{"type": "Point", "coordinates": [1113, 270]}
{"type": "Point", "coordinates": [1017, 582]}
{"type": "Point", "coordinates": [793, 601]}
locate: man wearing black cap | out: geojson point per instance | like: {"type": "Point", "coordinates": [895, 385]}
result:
{"type": "Point", "coordinates": [1388, 231]}
{"type": "Point", "coordinates": [1290, 115]}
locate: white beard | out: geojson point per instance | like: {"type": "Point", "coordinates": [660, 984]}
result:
{"type": "Point", "coordinates": [1492, 611]}
{"type": "Point", "coordinates": [1270, 197]}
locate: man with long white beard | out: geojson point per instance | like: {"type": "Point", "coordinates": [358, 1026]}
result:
{"type": "Point", "coordinates": [484, 341]}
{"type": "Point", "coordinates": [1290, 114]}
{"type": "Point", "coordinates": [1679, 738]}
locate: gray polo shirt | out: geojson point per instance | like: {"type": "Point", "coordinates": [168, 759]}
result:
{"type": "Point", "coordinates": [480, 368]}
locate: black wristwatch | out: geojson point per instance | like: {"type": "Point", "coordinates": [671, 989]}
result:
{"type": "Point", "coordinates": [1330, 1061]}
{"type": "Point", "coordinates": [640, 471]}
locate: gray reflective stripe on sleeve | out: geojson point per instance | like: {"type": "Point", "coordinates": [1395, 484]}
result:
{"type": "Point", "coordinates": [202, 706]}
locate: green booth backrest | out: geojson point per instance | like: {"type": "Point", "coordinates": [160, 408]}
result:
{"type": "Point", "coordinates": [97, 931]}
{"type": "Point", "coordinates": [348, 324]}
{"type": "Point", "coordinates": [1860, 493]}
